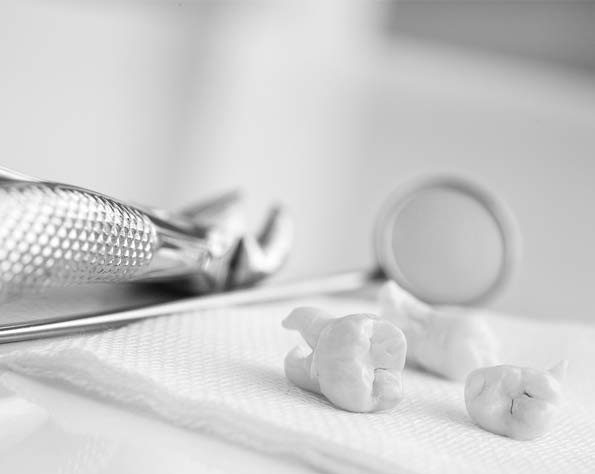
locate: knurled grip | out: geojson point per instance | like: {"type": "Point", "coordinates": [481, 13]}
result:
{"type": "Point", "coordinates": [53, 235]}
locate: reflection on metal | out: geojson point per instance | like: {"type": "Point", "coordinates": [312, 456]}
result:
{"type": "Point", "coordinates": [54, 235]}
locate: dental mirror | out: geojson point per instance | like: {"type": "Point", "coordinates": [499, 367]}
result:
{"type": "Point", "coordinates": [444, 239]}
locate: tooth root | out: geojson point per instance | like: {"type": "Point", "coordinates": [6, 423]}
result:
{"type": "Point", "coordinates": [309, 322]}
{"type": "Point", "coordinates": [399, 306]}
{"type": "Point", "coordinates": [298, 369]}
{"type": "Point", "coordinates": [559, 370]}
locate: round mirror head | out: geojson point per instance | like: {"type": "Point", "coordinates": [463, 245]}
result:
{"type": "Point", "coordinates": [446, 241]}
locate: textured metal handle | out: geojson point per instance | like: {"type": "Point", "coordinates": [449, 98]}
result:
{"type": "Point", "coordinates": [53, 235]}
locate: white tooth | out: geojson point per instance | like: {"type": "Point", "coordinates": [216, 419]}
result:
{"type": "Point", "coordinates": [298, 369]}
{"type": "Point", "coordinates": [517, 402]}
{"type": "Point", "coordinates": [308, 321]}
{"type": "Point", "coordinates": [447, 342]}
{"type": "Point", "coordinates": [387, 388]}
{"type": "Point", "coordinates": [475, 384]}
{"type": "Point", "coordinates": [356, 361]}
{"type": "Point", "coordinates": [559, 370]}
{"type": "Point", "coordinates": [400, 307]}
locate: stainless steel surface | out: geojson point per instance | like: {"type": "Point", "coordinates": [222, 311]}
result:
{"type": "Point", "coordinates": [260, 256]}
{"type": "Point", "coordinates": [54, 236]}
{"type": "Point", "coordinates": [97, 321]}
{"type": "Point", "coordinates": [10, 175]}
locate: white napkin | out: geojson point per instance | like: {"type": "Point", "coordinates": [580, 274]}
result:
{"type": "Point", "coordinates": [222, 372]}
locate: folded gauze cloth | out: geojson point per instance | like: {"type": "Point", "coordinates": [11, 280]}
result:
{"type": "Point", "coordinates": [222, 372]}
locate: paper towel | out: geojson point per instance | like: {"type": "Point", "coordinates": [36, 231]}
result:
{"type": "Point", "coordinates": [221, 372]}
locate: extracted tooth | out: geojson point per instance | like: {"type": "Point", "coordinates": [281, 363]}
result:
{"type": "Point", "coordinates": [259, 257]}
{"type": "Point", "coordinates": [517, 402]}
{"type": "Point", "coordinates": [449, 342]}
{"type": "Point", "coordinates": [559, 370]}
{"type": "Point", "coordinates": [298, 367]}
{"type": "Point", "coordinates": [309, 322]}
{"type": "Point", "coordinates": [355, 361]}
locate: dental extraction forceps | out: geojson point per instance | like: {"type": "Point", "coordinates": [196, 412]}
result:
{"type": "Point", "coordinates": [165, 238]}
{"type": "Point", "coordinates": [54, 235]}
{"type": "Point", "coordinates": [57, 235]}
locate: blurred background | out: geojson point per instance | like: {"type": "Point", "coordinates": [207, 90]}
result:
{"type": "Point", "coordinates": [325, 105]}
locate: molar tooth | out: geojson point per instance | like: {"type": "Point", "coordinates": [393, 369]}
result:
{"type": "Point", "coordinates": [356, 361]}
{"type": "Point", "coordinates": [309, 322]}
{"type": "Point", "coordinates": [449, 342]}
{"type": "Point", "coordinates": [475, 384]}
{"type": "Point", "coordinates": [513, 401]}
{"type": "Point", "coordinates": [559, 370]}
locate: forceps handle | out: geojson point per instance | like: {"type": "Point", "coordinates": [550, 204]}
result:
{"type": "Point", "coordinates": [348, 281]}
{"type": "Point", "coordinates": [54, 235]}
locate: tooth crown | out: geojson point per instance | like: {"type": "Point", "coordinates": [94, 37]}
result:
{"type": "Point", "coordinates": [350, 353]}
{"type": "Point", "coordinates": [513, 401]}
{"type": "Point", "coordinates": [356, 361]}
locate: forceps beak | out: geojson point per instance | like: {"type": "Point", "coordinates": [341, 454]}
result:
{"type": "Point", "coordinates": [256, 255]}
{"type": "Point", "coordinates": [259, 256]}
